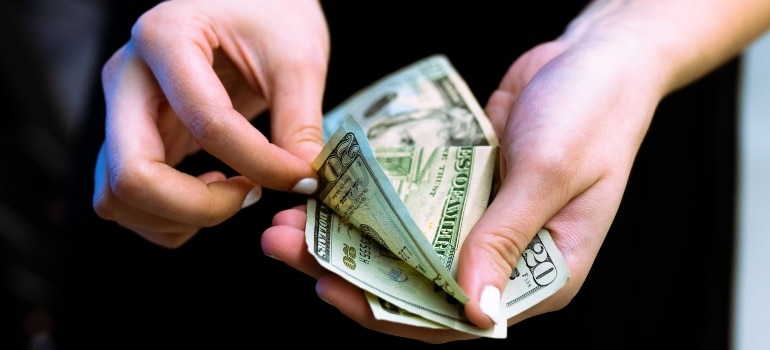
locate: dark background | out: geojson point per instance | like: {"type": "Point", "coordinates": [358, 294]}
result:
{"type": "Point", "coordinates": [72, 281]}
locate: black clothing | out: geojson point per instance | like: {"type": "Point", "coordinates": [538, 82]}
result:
{"type": "Point", "coordinates": [662, 276]}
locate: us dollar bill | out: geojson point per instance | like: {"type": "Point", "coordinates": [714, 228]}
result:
{"type": "Point", "coordinates": [353, 185]}
{"type": "Point", "coordinates": [346, 251]}
{"type": "Point", "coordinates": [446, 190]}
{"type": "Point", "coordinates": [539, 273]}
{"type": "Point", "coordinates": [426, 104]}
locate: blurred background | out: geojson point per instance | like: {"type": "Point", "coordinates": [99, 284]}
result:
{"type": "Point", "coordinates": [751, 305]}
{"type": "Point", "coordinates": [49, 65]}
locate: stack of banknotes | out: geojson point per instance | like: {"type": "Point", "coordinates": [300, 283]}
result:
{"type": "Point", "coordinates": [408, 168]}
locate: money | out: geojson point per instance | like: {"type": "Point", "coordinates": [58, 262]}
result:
{"type": "Point", "coordinates": [446, 190]}
{"type": "Point", "coordinates": [540, 272]}
{"type": "Point", "coordinates": [424, 104]}
{"type": "Point", "coordinates": [359, 259]}
{"type": "Point", "coordinates": [353, 185]}
{"type": "Point", "coordinates": [421, 131]}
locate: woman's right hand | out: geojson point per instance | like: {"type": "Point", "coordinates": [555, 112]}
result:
{"type": "Point", "coordinates": [192, 76]}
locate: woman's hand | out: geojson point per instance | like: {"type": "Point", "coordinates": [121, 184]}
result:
{"type": "Point", "coordinates": [192, 76]}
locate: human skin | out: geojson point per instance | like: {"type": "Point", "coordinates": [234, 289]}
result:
{"type": "Point", "coordinates": [192, 76]}
{"type": "Point", "coordinates": [571, 114]}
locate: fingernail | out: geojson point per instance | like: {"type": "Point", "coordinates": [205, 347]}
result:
{"type": "Point", "coordinates": [490, 303]}
{"type": "Point", "coordinates": [272, 256]}
{"type": "Point", "coordinates": [252, 197]}
{"type": "Point", "coordinates": [306, 186]}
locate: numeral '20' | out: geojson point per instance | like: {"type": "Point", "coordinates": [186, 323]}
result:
{"type": "Point", "coordinates": [538, 261]}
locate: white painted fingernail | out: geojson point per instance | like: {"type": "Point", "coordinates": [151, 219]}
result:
{"type": "Point", "coordinates": [306, 186]}
{"type": "Point", "coordinates": [272, 257]}
{"type": "Point", "coordinates": [490, 303]}
{"type": "Point", "coordinates": [252, 197]}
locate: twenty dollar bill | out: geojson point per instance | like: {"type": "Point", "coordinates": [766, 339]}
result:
{"type": "Point", "coordinates": [433, 143]}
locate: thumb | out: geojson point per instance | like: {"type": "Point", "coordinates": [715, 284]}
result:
{"type": "Point", "coordinates": [493, 247]}
{"type": "Point", "coordinates": [296, 115]}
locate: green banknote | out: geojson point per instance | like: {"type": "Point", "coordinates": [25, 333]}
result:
{"type": "Point", "coordinates": [445, 190]}
{"type": "Point", "coordinates": [421, 131]}
{"type": "Point", "coordinates": [353, 185]}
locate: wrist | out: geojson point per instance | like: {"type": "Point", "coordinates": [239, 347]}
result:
{"type": "Point", "coordinates": [635, 42]}
{"type": "Point", "coordinates": [680, 41]}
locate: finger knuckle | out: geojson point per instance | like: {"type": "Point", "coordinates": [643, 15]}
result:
{"type": "Point", "coordinates": [507, 244]}
{"type": "Point", "coordinates": [164, 239]}
{"type": "Point", "coordinates": [553, 162]}
{"type": "Point", "coordinates": [555, 168]}
{"type": "Point", "coordinates": [110, 67]}
{"type": "Point", "coordinates": [305, 133]}
{"type": "Point", "coordinates": [105, 205]}
{"type": "Point", "coordinates": [130, 185]}
{"type": "Point", "coordinates": [161, 23]}
{"type": "Point", "coordinates": [211, 219]}
{"type": "Point", "coordinates": [171, 243]}
{"type": "Point", "coordinates": [203, 127]}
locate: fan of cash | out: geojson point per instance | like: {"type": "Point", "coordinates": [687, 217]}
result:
{"type": "Point", "coordinates": [408, 168]}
